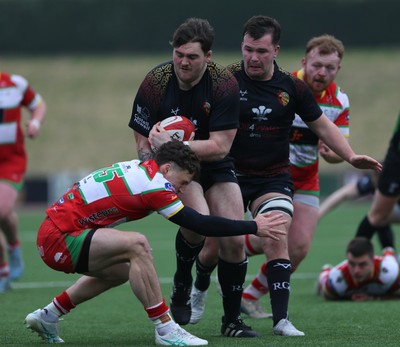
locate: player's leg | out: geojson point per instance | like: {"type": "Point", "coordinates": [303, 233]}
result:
{"type": "Point", "coordinates": [302, 228]}
{"type": "Point", "coordinates": [278, 265]}
{"type": "Point", "coordinates": [9, 225]}
{"type": "Point", "coordinates": [188, 245]}
{"type": "Point", "coordinates": [232, 263]}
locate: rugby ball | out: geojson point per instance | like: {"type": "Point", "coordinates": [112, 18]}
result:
{"type": "Point", "coordinates": [179, 128]}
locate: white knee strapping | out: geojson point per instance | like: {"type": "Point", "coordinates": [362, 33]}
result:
{"type": "Point", "coordinates": [282, 204]}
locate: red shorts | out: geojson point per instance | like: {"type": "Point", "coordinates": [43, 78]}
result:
{"type": "Point", "coordinates": [12, 167]}
{"type": "Point", "coordinates": [305, 179]}
{"type": "Point", "coordinates": [60, 251]}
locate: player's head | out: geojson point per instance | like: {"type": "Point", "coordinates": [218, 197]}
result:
{"type": "Point", "coordinates": [260, 46]}
{"type": "Point", "coordinates": [178, 163]}
{"type": "Point", "coordinates": [321, 62]}
{"type": "Point", "coordinates": [194, 30]}
{"type": "Point", "coordinates": [258, 26]}
{"type": "Point", "coordinates": [360, 257]}
{"type": "Point", "coordinates": [192, 43]}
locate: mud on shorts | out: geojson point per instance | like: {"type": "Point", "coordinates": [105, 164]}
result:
{"type": "Point", "coordinates": [67, 252]}
{"type": "Point", "coordinates": [217, 172]}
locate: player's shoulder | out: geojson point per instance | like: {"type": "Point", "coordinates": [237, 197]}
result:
{"type": "Point", "coordinates": [235, 67]}
{"type": "Point", "coordinates": [160, 72]}
{"type": "Point", "coordinates": [218, 71]}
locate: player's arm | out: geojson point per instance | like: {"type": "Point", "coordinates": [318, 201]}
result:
{"type": "Point", "coordinates": [38, 112]}
{"type": "Point", "coordinates": [264, 225]}
{"type": "Point", "coordinates": [327, 154]}
{"type": "Point", "coordinates": [331, 135]}
{"type": "Point", "coordinates": [142, 146]}
{"type": "Point", "coordinates": [216, 147]}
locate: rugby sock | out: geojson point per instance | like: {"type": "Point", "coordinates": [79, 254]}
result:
{"type": "Point", "coordinates": [386, 236]}
{"type": "Point", "coordinates": [258, 286]}
{"type": "Point", "coordinates": [365, 229]}
{"type": "Point", "coordinates": [4, 269]}
{"type": "Point", "coordinates": [279, 287]}
{"type": "Point", "coordinates": [185, 257]}
{"type": "Point", "coordinates": [203, 277]}
{"type": "Point", "coordinates": [60, 305]}
{"type": "Point", "coordinates": [231, 278]}
{"type": "Point", "coordinates": [14, 245]}
{"type": "Point", "coordinates": [159, 315]}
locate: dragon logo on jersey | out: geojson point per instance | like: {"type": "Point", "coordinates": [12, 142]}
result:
{"type": "Point", "coordinates": [261, 112]}
{"type": "Point", "coordinates": [283, 98]}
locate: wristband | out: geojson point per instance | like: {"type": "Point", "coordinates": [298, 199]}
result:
{"type": "Point", "coordinates": [35, 123]}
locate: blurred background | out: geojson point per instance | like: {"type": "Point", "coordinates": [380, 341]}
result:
{"type": "Point", "coordinates": [88, 57]}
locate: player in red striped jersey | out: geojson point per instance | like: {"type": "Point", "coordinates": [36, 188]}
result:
{"type": "Point", "coordinates": [362, 276]}
{"type": "Point", "coordinates": [78, 236]}
{"type": "Point", "coordinates": [15, 94]}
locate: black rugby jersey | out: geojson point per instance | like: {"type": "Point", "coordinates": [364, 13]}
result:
{"type": "Point", "coordinates": [212, 104]}
{"type": "Point", "coordinates": [267, 111]}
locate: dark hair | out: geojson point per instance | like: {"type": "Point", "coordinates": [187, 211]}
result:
{"type": "Point", "coordinates": [360, 246]}
{"type": "Point", "coordinates": [258, 26]}
{"type": "Point", "coordinates": [180, 154]}
{"type": "Point", "coordinates": [326, 44]}
{"type": "Point", "coordinates": [194, 30]}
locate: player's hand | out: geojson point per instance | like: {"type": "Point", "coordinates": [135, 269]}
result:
{"type": "Point", "coordinates": [365, 162]}
{"type": "Point", "coordinates": [270, 225]}
{"type": "Point", "coordinates": [361, 297]}
{"type": "Point", "coordinates": [32, 128]}
{"type": "Point", "coordinates": [158, 136]}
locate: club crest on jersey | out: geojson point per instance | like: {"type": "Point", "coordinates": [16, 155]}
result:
{"type": "Point", "coordinates": [206, 108]}
{"type": "Point", "coordinates": [283, 98]}
{"type": "Point", "coordinates": [169, 187]}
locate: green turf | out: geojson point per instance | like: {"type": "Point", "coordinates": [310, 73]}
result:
{"type": "Point", "coordinates": [117, 318]}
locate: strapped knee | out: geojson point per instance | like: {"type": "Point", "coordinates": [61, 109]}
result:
{"type": "Point", "coordinates": [282, 204]}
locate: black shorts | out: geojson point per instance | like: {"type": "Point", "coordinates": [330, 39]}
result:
{"type": "Point", "coordinates": [217, 172]}
{"type": "Point", "coordinates": [253, 187]}
{"type": "Point", "coordinates": [389, 178]}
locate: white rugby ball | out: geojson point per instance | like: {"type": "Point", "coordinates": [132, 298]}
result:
{"type": "Point", "coordinates": [179, 128]}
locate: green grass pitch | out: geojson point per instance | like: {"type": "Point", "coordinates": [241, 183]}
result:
{"type": "Point", "coordinates": [117, 318]}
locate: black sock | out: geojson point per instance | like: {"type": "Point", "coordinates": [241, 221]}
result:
{"type": "Point", "coordinates": [231, 278]}
{"type": "Point", "coordinates": [278, 278]}
{"type": "Point", "coordinates": [203, 275]}
{"type": "Point", "coordinates": [386, 236]}
{"type": "Point", "coordinates": [185, 257]}
{"type": "Point", "coordinates": [365, 229]}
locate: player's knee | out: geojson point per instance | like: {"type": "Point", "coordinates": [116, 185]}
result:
{"type": "Point", "coordinates": [140, 245]}
{"type": "Point", "coordinates": [280, 203]}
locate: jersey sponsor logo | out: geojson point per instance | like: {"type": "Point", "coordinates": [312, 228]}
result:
{"type": "Point", "coordinates": [141, 117]}
{"type": "Point", "coordinates": [260, 112]}
{"type": "Point", "coordinates": [98, 215]}
{"type": "Point", "coordinates": [283, 98]}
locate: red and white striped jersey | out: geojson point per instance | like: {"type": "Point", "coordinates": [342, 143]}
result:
{"type": "Point", "coordinates": [304, 143]}
{"type": "Point", "coordinates": [384, 280]}
{"type": "Point", "coordinates": [116, 194]}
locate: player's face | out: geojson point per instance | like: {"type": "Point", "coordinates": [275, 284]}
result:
{"type": "Point", "coordinates": [361, 268]}
{"type": "Point", "coordinates": [177, 177]}
{"type": "Point", "coordinates": [190, 62]}
{"type": "Point", "coordinates": [320, 70]}
{"type": "Point", "coordinates": [258, 57]}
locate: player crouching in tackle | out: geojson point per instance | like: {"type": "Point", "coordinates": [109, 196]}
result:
{"type": "Point", "coordinates": [77, 236]}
